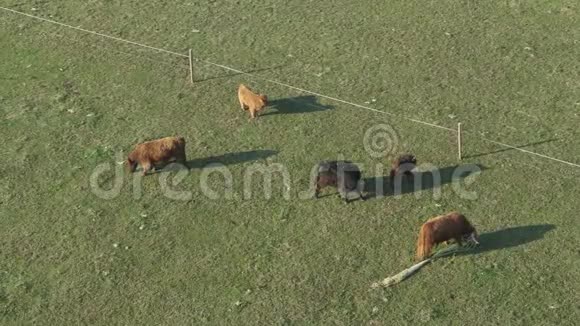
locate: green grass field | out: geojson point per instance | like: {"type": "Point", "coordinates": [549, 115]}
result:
{"type": "Point", "coordinates": [71, 101]}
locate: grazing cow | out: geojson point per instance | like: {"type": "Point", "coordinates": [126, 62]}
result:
{"type": "Point", "coordinates": [157, 152]}
{"type": "Point", "coordinates": [251, 101]}
{"type": "Point", "coordinates": [404, 164]}
{"type": "Point", "coordinates": [343, 175]}
{"type": "Point", "coordinates": [452, 226]}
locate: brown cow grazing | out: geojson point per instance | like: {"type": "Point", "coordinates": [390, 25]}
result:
{"type": "Point", "coordinates": [453, 226]}
{"type": "Point", "coordinates": [251, 101]}
{"type": "Point", "coordinates": [404, 164]}
{"type": "Point", "coordinates": [343, 175]}
{"type": "Point", "coordinates": [157, 152]}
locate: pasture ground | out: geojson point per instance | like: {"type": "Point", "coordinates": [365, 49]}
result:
{"type": "Point", "coordinates": [69, 101]}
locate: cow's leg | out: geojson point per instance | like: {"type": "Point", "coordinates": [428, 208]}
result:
{"type": "Point", "coordinates": [146, 167]}
{"type": "Point", "coordinates": [317, 189]}
{"type": "Point", "coordinates": [344, 195]}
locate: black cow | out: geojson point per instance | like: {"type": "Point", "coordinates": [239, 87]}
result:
{"type": "Point", "coordinates": [404, 164]}
{"type": "Point", "coordinates": [343, 175]}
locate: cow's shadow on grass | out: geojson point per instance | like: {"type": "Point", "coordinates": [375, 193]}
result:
{"type": "Point", "coordinates": [225, 159]}
{"type": "Point", "coordinates": [292, 105]}
{"type": "Point", "coordinates": [232, 158]}
{"type": "Point", "coordinates": [384, 186]}
{"type": "Point", "coordinates": [510, 237]}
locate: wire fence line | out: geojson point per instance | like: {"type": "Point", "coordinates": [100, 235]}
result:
{"type": "Point", "coordinates": [133, 56]}
{"type": "Point", "coordinates": [175, 65]}
{"type": "Point", "coordinates": [299, 89]}
{"type": "Point", "coordinates": [91, 32]}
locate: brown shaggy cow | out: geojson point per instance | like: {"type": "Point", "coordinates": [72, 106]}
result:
{"type": "Point", "coordinates": [442, 229]}
{"type": "Point", "coordinates": [251, 101]}
{"type": "Point", "coordinates": [343, 175]}
{"type": "Point", "coordinates": [157, 152]}
{"type": "Point", "coordinates": [403, 164]}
